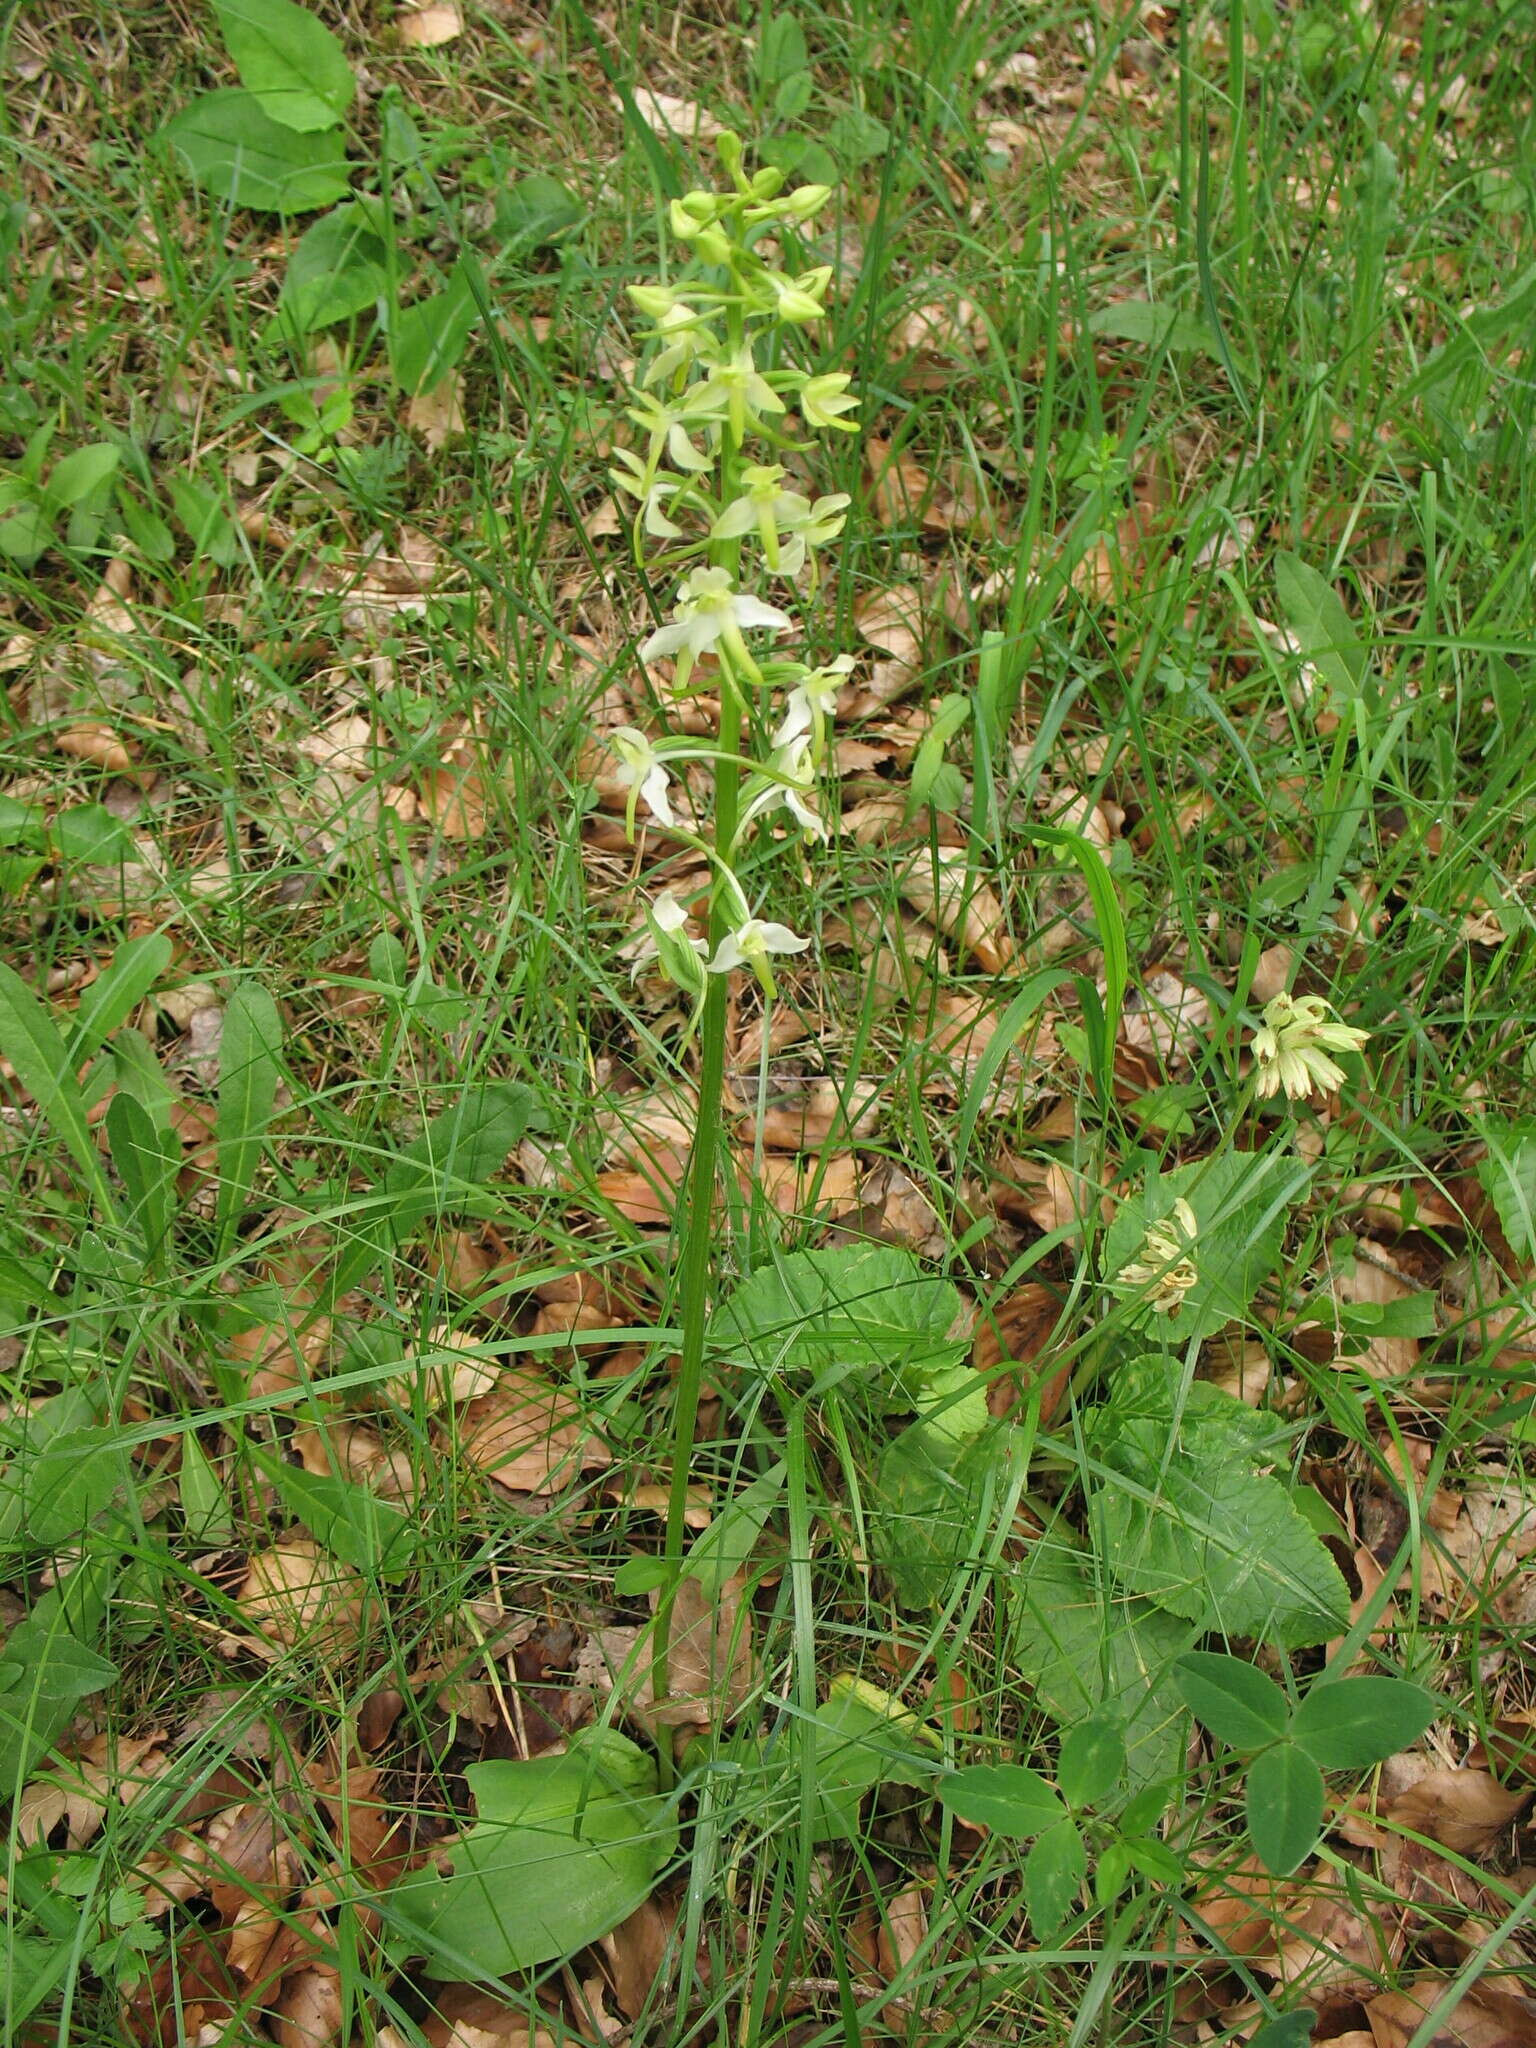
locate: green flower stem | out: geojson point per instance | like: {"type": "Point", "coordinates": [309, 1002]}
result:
{"type": "Point", "coordinates": [699, 1194]}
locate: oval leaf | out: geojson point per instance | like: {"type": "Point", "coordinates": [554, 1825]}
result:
{"type": "Point", "coordinates": [238, 152]}
{"type": "Point", "coordinates": [1284, 1804]}
{"type": "Point", "coordinates": [1010, 1798]}
{"type": "Point", "coordinates": [288, 60]}
{"type": "Point", "coordinates": [1238, 1704]}
{"type": "Point", "coordinates": [1091, 1764]}
{"type": "Point", "coordinates": [1054, 1871]}
{"type": "Point", "coordinates": [1349, 1723]}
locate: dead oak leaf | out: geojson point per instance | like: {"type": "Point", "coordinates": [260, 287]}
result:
{"type": "Point", "coordinates": [1464, 1810]}
{"type": "Point", "coordinates": [299, 1595]}
{"type": "Point", "coordinates": [427, 28]}
{"type": "Point", "coordinates": [942, 885]}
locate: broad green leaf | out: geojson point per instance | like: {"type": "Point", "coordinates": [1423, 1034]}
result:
{"type": "Point", "coordinates": [205, 1506]}
{"type": "Point", "coordinates": [859, 1738]}
{"type": "Point", "coordinates": [1054, 1874]}
{"type": "Point", "coordinates": [925, 1508]}
{"type": "Point", "coordinates": [1138, 320]}
{"type": "Point", "coordinates": [250, 1069]}
{"type": "Point", "coordinates": [452, 1160]}
{"type": "Point", "coordinates": [1088, 1654]}
{"type": "Point", "coordinates": [350, 1521]}
{"type": "Point", "coordinates": [27, 534]}
{"type": "Point", "coordinates": [337, 270]}
{"type": "Point", "coordinates": [535, 211]}
{"type": "Point", "coordinates": [1508, 1175]}
{"type": "Point", "coordinates": [64, 1471]}
{"type": "Point", "coordinates": [1203, 1529]}
{"type": "Point", "coordinates": [562, 1849]}
{"type": "Point", "coordinates": [1323, 629]}
{"type": "Point", "coordinates": [1241, 1201]}
{"type": "Point", "coordinates": [83, 474]}
{"type": "Point", "coordinates": [289, 60]}
{"type": "Point", "coordinates": [1290, 2030]}
{"type": "Point", "coordinates": [1011, 1799]}
{"type": "Point", "coordinates": [40, 1054]}
{"type": "Point", "coordinates": [1283, 1801]}
{"type": "Point", "coordinates": [781, 50]}
{"type": "Point", "coordinates": [426, 339]}
{"type": "Point", "coordinates": [727, 1544]}
{"type": "Point", "coordinates": [1239, 1704]}
{"type": "Point", "coordinates": [236, 151]}
{"type": "Point", "coordinates": [862, 1309]}
{"type": "Point", "coordinates": [148, 1158]}
{"type": "Point", "coordinates": [117, 992]}
{"type": "Point", "coordinates": [856, 137]}
{"type": "Point", "coordinates": [89, 835]}
{"type": "Point", "coordinates": [205, 516]}
{"type": "Point", "coordinates": [1091, 1762]}
{"type": "Point", "coordinates": [47, 1666]}
{"type": "Point", "coordinates": [1347, 1724]}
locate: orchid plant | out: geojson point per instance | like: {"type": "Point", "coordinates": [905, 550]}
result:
{"type": "Point", "coordinates": [721, 410]}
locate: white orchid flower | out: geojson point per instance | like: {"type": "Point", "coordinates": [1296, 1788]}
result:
{"type": "Point", "coordinates": [679, 956]}
{"type": "Point", "coordinates": [1292, 1046]}
{"type": "Point", "coordinates": [643, 772]}
{"type": "Point", "coordinates": [688, 338]}
{"type": "Point", "coordinates": [752, 944]}
{"type": "Point", "coordinates": [798, 300]}
{"type": "Point", "coordinates": [790, 778]}
{"type": "Point", "coordinates": [823, 401]}
{"type": "Point", "coordinates": [770, 511]}
{"type": "Point", "coordinates": [812, 704]}
{"type": "Point", "coordinates": [1162, 1272]}
{"type": "Point", "coordinates": [710, 611]}
{"type": "Point", "coordinates": [655, 490]}
{"type": "Point", "coordinates": [669, 428]}
{"type": "Point", "coordinates": [737, 391]}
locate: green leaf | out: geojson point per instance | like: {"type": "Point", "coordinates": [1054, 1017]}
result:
{"type": "Point", "coordinates": [148, 1158]}
{"type": "Point", "coordinates": [1088, 1655]}
{"type": "Point", "coordinates": [1091, 1762]}
{"type": "Point", "coordinates": [1138, 320]}
{"type": "Point", "coordinates": [1239, 1705]}
{"type": "Point", "coordinates": [453, 1158]}
{"type": "Point", "coordinates": [205, 1505]}
{"type": "Point", "coordinates": [563, 1848]}
{"type": "Point", "coordinates": [37, 1049]}
{"type": "Point", "coordinates": [27, 535]}
{"type": "Point", "coordinates": [427, 339]}
{"type": "Point", "coordinates": [291, 62]}
{"type": "Point", "coordinates": [533, 212]}
{"type": "Point", "coordinates": [781, 50]}
{"type": "Point", "coordinates": [250, 1069]}
{"type": "Point", "coordinates": [89, 835]}
{"type": "Point", "coordinates": [1011, 1799]}
{"type": "Point", "coordinates": [46, 1668]}
{"type": "Point", "coordinates": [337, 270]}
{"type": "Point", "coordinates": [925, 1508]}
{"type": "Point", "coordinates": [374, 1536]}
{"type": "Point", "coordinates": [205, 516]}
{"type": "Point", "coordinates": [1203, 1529]}
{"type": "Point", "coordinates": [727, 1544]}
{"type": "Point", "coordinates": [1054, 1873]}
{"type": "Point", "coordinates": [1347, 1724]}
{"type": "Point", "coordinates": [1290, 2030]}
{"type": "Point", "coordinates": [849, 1309]}
{"type": "Point", "coordinates": [854, 1747]}
{"type": "Point", "coordinates": [1241, 1201]}
{"type": "Point", "coordinates": [83, 474]}
{"type": "Point", "coordinates": [117, 992]}
{"type": "Point", "coordinates": [239, 153]}
{"type": "Point", "coordinates": [1323, 629]}
{"type": "Point", "coordinates": [1283, 1801]}
{"type": "Point", "coordinates": [61, 1478]}
{"type": "Point", "coordinates": [856, 137]}
{"type": "Point", "coordinates": [1508, 1175]}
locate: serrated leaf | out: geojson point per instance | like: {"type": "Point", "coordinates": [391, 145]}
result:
{"type": "Point", "coordinates": [850, 1309]}
{"type": "Point", "coordinates": [1283, 1802]}
{"type": "Point", "coordinates": [1203, 1529]}
{"type": "Point", "coordinates": [1240, 1705]}
{"type": "Point", "coordinates": [1347, 1724]}
{"type": "Point", "coordinates": [1054, 1873]}
{"type": "Point", "coordinates": [1085, 1653]}
{"type": "Point", "coordinates": [1241, 1201]}
{"type": "Point", "coordinates": [1011, 1799]}
{"type": "Point", "coordinates": [1322, 627]}
{"type": "Point", "coordinates": [236, 151]}
{"type": "Point", "coordinates": [288, 60]}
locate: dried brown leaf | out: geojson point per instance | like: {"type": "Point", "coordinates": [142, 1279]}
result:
{"type": "Point", "coordinates": [437, 413]}
{"type": "Point", "coordinates": [941, 885]}
{"type": "Point", "coordinates": [1460, 1809]}
{"type": "Point", "coordinates": [636, 1953]}
{"type": "Point", "coordinates": [296, 1593]}
{"type": "Point", "coordinates": [1484, 2018]}
{"type": "Point", "coordinates": [529, 1435]}
{"type": "Point", "coordinates": [426, 28]}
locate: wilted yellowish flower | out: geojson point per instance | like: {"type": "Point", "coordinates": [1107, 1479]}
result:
{"type": "Point", "coordinates": [1293, 1043]}
{"type": "Point", "coordinates": [1163, 1272]}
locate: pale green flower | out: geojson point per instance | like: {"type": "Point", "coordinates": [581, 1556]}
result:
{"type": "Point", "coordinates": [812, 704]}
{"type": "Point", "coordinates": [798, 207]}
{"type": "Point", "coordinates": [643, 772]}
{"type": "Point", "coordinates": [680, 958]}
{"type": "Point", "coordinates": [824, 399]}
{"type": "Point", "coordinates": [752, 944]}
{"type": "Point", "coordinates": [669, 428]}
{"type": "Point", "coordinates": [789, 780]}
{"type": "Point", "coordinates": [1292, 1046]}
{"type": "Point", "coordinates": [1162, 1272]}
{"type": "Point", "coordinates": [797, 300]}
{"type": "Point", "coordinates": [735, 390]}
{"type": "Point", "coordinates": [772, 511]}
{"type": "Point", "coordinates": [695, 218]}
{"type": "Point", "coordinates": [688, 339]}
{"type": "Point", "coordinates": [655, 490]}
{"type": "Point", "coordinates": [710, 611]}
